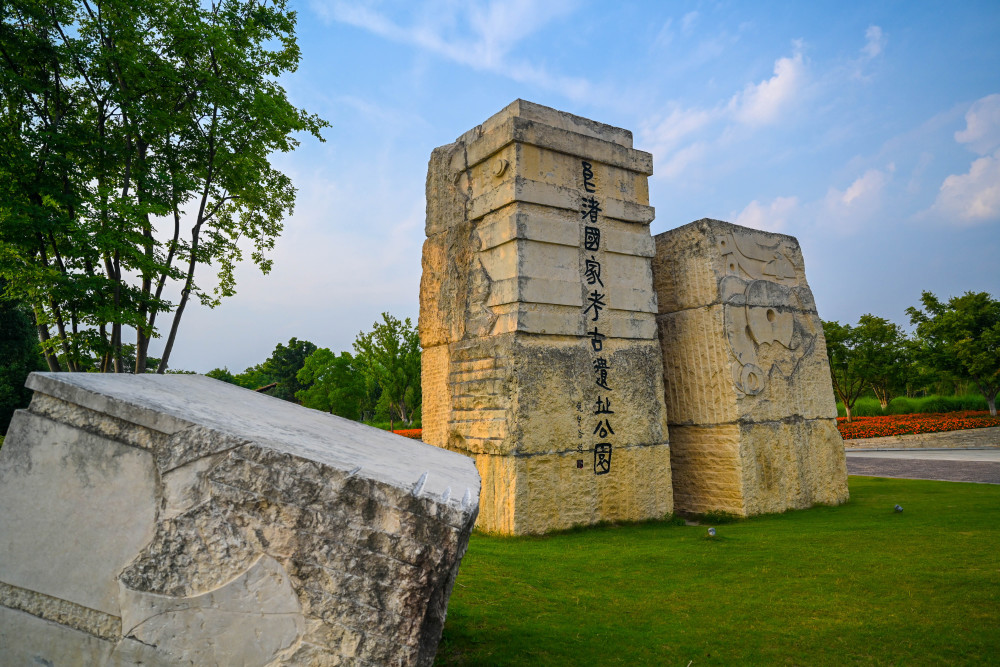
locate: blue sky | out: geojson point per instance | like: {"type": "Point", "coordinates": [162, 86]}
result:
{"type": "Point", "coordinates": [870, 131]}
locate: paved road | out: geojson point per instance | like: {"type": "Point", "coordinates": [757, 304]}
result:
{"type": "Point", "coordinates": [950, 465]}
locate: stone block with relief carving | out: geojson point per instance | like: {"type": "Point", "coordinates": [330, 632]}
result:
{"type": "Point", "coordinates": [751, 411]}
{"type": "Point", "coordinates": [537, 319]}
{"type": "Point", "coordinates": [179, 520]}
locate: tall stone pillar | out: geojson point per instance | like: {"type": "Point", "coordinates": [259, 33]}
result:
{"type": "Point", "coordinates": [751, 410]}
{"type": "Point", "coordinates": [537, 319]}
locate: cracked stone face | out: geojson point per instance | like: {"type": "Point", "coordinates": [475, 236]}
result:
{"type": "Point", "coordinates": [180, 520]}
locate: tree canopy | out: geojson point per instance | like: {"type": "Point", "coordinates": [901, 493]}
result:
{"type": "Point", "coordinates": [19, 356]}
{"type": "Point", "coordinates": [334, 384]}
{"type": "Point", "coordinates": [134, 148]}
{"type": "Point", "coordinates": [962, 337]}
{"type": "Point", "coordinates": [848, 381]}
{"type": "Point", "coordinates": [881, 352]}
{"type": "Point", "coordinates": [389, 356]}
{"type": "Point", "coordinates": [283, 367]}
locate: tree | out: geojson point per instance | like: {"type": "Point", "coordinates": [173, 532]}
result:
{"type": "Point", "coordinates": [334, 384]}
{"type": "Point", "coordinates": [880, 350]}
{"type": "Point", "coordinates": [389, 356]}
{"type": "Point", "coordinates": [222, 374]}
{"type": "Point", "coordinates": [122, 124]}
{"type": "Point", "coordinates": [848, 383]}
{"type": "Point", "coordinates": [283, 367]}
{"type": "Point", "coordinates": [962, 338]}
{"type": "Point", "coordinates": [19, 356]}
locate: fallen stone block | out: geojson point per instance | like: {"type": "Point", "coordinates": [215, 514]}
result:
{"type": "Point", "coordinates": [182, 520]}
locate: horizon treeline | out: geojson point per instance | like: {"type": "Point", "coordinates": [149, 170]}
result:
{"type": "Point", "coordinates": [954, 348]}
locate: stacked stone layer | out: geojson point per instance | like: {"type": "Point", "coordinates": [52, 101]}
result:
{"type": "Point", "coordinates": [181, 520]}
{"type": "Point", "coordinates": [752, 417]}
{"type": "Point", "coordinates": [507, 364]}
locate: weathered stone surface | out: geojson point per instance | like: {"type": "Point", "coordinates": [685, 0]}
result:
{"type": "Point", "coordinates": [180, 520]}
{"type": "Point", "coordinates": [506, 317]}
{"type": "Point", "coordinates": [751, 412]}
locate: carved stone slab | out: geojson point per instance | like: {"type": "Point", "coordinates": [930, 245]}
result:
{"type": "Point", "coordinates": [181, 520]}
{"type": "Point", "coordinates": [751, 411]}
{"type": "Point", "coordinates": [537, 309]}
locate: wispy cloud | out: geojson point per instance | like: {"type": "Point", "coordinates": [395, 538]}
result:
{"type": "Point", "coordinates": [974, 197]}
{"type": "Point", "coordinates": [875, 41]}
{"type": "Point", "coordinates": [860, 203]}
{"type": "Point", "coordinates": [481, 36]}
{"type": "Point", "coordinates": [982, 125]}
{"type": "Point", "coordinates": [775, 217]}
{"type": "Point", "coordinates": [681, 136]}
{"type": "Point", "coordinates": [765, 102]}
{"type": "Point", "coordinates": [863, 190]}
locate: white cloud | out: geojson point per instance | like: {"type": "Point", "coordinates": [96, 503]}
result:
{"type": "Point", "coordinates": [681, 160]}
{"type": "Point", "coordinates": [974, 197]}
{"type": "Point", "coordinates": [875, 41]}
{"type": "Point", "coordinates": [864, 189]}
{"type": "Point", "coordinates": [663, 135]}
{"type": "Point", "coordinates": [764, 102]}
{"type": "Point", "coordinates": [982, 125]}
{"type": "Point", "coordinates": [477, 35]}
{"type": "Point", "coordinates": [847, 210]}
{"type": "Point", "coordinates": [772, 217]}
{"type": "Point", "coordinates": [678, 137]}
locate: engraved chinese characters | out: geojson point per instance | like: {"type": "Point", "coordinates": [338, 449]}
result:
{"type": "Point", "coordinates": [595, 302]}
{"type": "Point", "coordinates": [538, 321]}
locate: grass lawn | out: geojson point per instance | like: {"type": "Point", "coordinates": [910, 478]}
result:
{"type": "Point", "coordinates": [828, 586]}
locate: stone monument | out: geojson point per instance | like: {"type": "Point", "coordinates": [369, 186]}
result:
{"type": "Point", "coordinates": [169, 520]}
{"type": "Point", "coordinates": [749, 402]}
{"type": "Point", "coordinates": [537, 319]}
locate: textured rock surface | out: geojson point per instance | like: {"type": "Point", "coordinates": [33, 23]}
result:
{"type": "Point", "coordinates": [752, 417]}
{"type": "Point", "coordinates": [181, 520]}
{"type": "Point", "coordinates": [538, 236]}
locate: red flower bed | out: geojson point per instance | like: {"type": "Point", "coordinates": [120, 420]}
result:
{"type": "Point", "coordinates": [414, 433]}
{"type": "Point", "coordinates": [879, 427]}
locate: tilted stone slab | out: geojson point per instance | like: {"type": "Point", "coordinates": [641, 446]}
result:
{"type": "Point", "coordinates": [750, 407]}
{"type": "Point", "coordinates": [537, 319]}
{"type": "Point", "coordinates": [182, 520]}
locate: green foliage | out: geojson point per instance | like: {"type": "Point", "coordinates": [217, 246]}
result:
{"type": "Point", "coordinates": [962, 338]}
{"type": "Point", "coordinates": [388, 357]}
{"type": "Point", "coordinates": [873, 355]}
{"type": "Point", "coordinates": [902, 405]}
{"type": "Point", "coordinates": [334, 384]}
{"type": "Point", "coordinates": [848, 383]}
{"type": "Point", "coordinates": [221, 374]}
{"type": "Point", "coordinates": [882, 356]}
{"type": "Point", "coordinates": [124, 125]}
{"type": "Point", "coordinates": [283, 367]}
{"type": "Point", "coordinates": [19, 356]}
{"type": "Point", "coordinates": [855, 584]}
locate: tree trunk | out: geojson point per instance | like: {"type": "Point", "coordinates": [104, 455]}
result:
{"type": "Point", "coordinates": [43, 336]}
{"type": "Point", "coordinates": [991, 401]}
{"type": "Point", "coordinates": [847, 409]}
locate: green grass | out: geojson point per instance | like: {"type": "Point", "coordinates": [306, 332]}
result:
{"type": "Point", "coordinates": [856, 584]}
{"type": "Point", "coordinates": [901, 405]}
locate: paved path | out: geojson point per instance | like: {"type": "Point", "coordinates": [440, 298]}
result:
{"type": "Point", "coordinates": [950, 465]}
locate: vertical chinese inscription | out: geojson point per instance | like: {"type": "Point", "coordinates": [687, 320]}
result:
{"type": "Point", "coordinates": [595, 303]}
